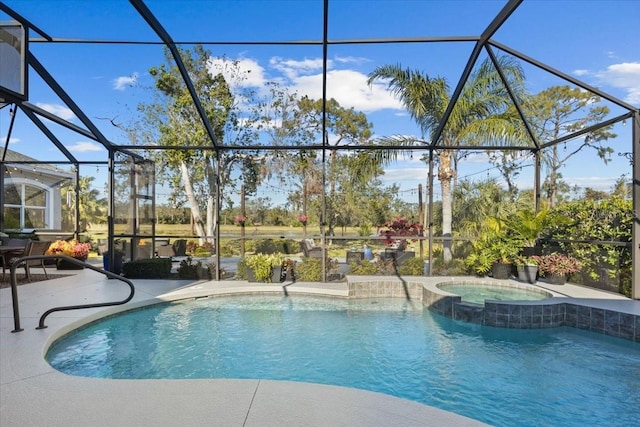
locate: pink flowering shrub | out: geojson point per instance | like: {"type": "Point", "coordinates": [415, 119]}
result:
{"type": "Point", "coordinates": [558, 264]}
{"type": "Point", "coordinates": [400, 227]}
{"type": "Point", "coordinates": [71, 248]}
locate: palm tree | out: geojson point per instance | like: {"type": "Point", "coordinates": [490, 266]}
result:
{"type": "Point", "coordinates": [92, 208]}
{"type": "Point", "coordinates": [481, 115]}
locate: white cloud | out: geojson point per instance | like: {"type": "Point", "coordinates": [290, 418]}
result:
{"type": "Point", "coordinates": [12, 140]}
{"type": "Point", "coordinates": [292, 68]}
{"type": "Point", "coordinates": [351, 59]}
{"type": "Point", "coordinates": [81, 147]}
{"type": "Point", "coordinates": [58, 110]}
{"type": "Point", "coordinates": [121, 83]}
{"type": "Point", "coordinates": [405, 174]}
{"type": "Point", "coordinates": [625, 76]}
{"type": "Point", "coordinates": [247, 74]}
{"type": "Point", "coordinates": [349, 88]}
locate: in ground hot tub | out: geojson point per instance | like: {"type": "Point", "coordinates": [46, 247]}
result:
{"type": "Point", "coordinates": [508, 305]}
{"type": "Point", "coordinates": [478, 293]}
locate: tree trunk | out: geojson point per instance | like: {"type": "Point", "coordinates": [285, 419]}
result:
{"type": "Point", "coordinates": [446, 219]}
{"type": "Point", "coordinates": [212, 208]}
{"type": "Point", "coordinates": [445, 174]}
{"type": "Point", "coordinates": [193, 202]}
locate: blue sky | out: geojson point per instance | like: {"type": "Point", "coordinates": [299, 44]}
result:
{"type": "Point", "coordinates": [594, 41]}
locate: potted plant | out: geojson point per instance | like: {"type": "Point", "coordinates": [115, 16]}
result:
{"type": "Point", "coordinates": [70, 248]}
{"type": "Point", "coordinates": [493, 251]}
{"type": "Point", "coordinates": [528, 225]}
{"type": "Point", "coordinates": [503, 251]}
{"type": "Point", "coordinates": [265, 267]}
{"type": "Point", "coordinates": [557, 267]}
{"type": "Point", "coordinates": [288, 269]}
{"type": "Point", "coordinates": [527, 267]}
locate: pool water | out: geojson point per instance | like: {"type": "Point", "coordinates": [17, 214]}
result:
{"type": "Point", "coordinates": [477, 293]}
{"type": "Point", "coordinates": [504, 377]}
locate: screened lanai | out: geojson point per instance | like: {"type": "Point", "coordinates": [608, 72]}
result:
{"type": "Point", "coordinates": [241, 121]}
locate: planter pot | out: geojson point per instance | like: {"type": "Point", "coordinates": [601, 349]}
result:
{"type": "Point", "coordinates": [251, 277]}
{"type": "Point", "coordinates": [527, 273]}
{"type": "Point", "coordinates": [501, 270]}
{"type": "Point", "coordinates": [557, 279]}
{"type": "Point", "coordinates": [276, 274]}
{"type": "Point", "coordinates": [62, 264]}
{"type": "Point", "coordinates": [117, 263]}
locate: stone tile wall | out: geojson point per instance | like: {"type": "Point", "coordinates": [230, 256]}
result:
{"type": "Point", "coordinates": [529, 315]}
{"type": "Point", "coordinates": [524, 315]}
{"type": "Point", "coordinates": [385, 288]}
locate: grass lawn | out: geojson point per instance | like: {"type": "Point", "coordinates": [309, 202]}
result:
{"type": "Point", "coordinates": [231, 235]}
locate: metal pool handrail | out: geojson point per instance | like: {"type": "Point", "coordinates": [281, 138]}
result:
{"type": "Point", "coordinates": [41, 325]}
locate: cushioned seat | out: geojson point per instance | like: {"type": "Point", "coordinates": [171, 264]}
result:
{"type": "Point", "coordinates": [310, 249]}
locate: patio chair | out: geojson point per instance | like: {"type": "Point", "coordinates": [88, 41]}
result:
{"type": "Point", "coordinates": [35, 247]}
{"type": "Point", "coordinates": [165, 250]}
{"type": "Point", "coordinates": [178, 248]}
{"type": "Point", "coordinates": [310, 249]}
{"type": "Point", "coordinates": [8, 257]}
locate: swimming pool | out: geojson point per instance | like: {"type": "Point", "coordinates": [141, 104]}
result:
{"type": "Point", "coordinates": [559, 376]}
{"type": "Point", "coordinates": [477, 293]}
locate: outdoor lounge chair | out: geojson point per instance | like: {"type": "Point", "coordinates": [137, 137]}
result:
{"type": "Point", "coordinates": [177, 248]}
{"type": "Point", "coordinates": [310, 249]}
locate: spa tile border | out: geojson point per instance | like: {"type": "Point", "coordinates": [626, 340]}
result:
{"type": "Point", "coordinates": [551, 313]}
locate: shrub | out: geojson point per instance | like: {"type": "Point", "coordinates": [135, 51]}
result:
{"type": "Point", "coordinates": [603, 220]}
{"type": "Point", "coordinates": [412, 267]}
{"type": "Point", "coordinates": [154, 268]}
{"type": "Point", "coordinates": [364, 230]}
{"type": "Point", "coordinates": [189, 269]}
{"type": "Point", "coordinates": [310, 269]}
{"type": "Point", "coordinates": [263, 264]}
{"type": "Point", "coordinates": [242, 269]}
{"type": "Point", "coordinates": [377, 267]}
{"type": "Point", "coordinates": [202, 252]}
{"type": "Point", "coordinates": [558, 264]}
{"type": "Point", "coordinates": [226, 249]}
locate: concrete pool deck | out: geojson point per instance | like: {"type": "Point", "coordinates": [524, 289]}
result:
{"type": "Point", "coordinates": [33, 394]}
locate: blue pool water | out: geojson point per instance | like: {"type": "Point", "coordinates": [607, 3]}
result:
{"type": "Point", "coordinates": [504, 377]}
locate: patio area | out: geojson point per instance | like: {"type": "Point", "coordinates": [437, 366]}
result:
{"type": "Point", "coordinates": [33, 393]}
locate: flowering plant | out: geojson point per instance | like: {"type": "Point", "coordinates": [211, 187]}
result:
{"type": "Point", "coordinates": [303, 218]}
{"type": "Point", "coordinates": [71, 248]}
{"type": "Point", "coordinates": [400, 227]}
{"type": "Point", "coordinates": [241, 219]}
{"type": "Point", "coordinates": [558, 264]}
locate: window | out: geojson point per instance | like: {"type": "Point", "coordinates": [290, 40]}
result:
{"type": "Point", "coordinates": [26, 206]}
